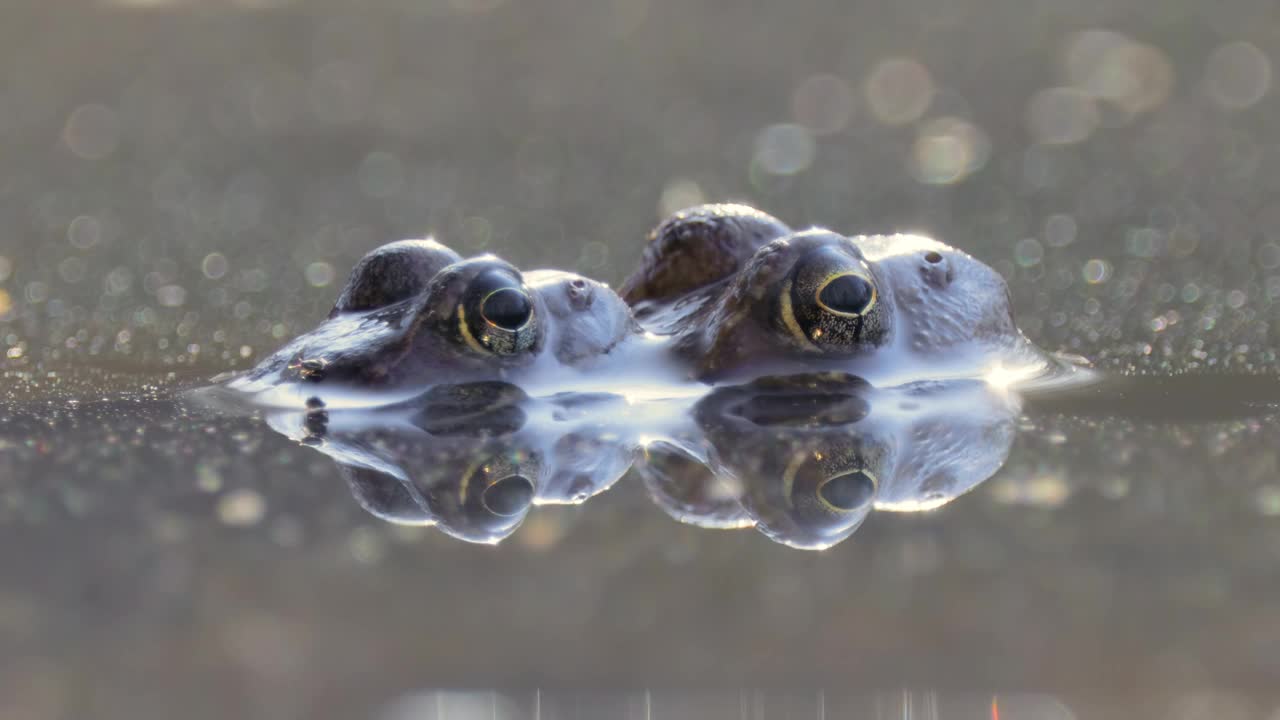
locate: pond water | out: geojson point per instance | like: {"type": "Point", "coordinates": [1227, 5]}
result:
{"type": "Point", "coordinates": [183, 187]}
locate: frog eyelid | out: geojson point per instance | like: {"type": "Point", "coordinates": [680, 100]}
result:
{"type": "Point", "coordinates": [817, 294]}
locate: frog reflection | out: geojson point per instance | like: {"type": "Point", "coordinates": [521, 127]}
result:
{"type": "Point", "coordinates": [804, 458]}
{"type": "Point", "coordinates": [470, 459]}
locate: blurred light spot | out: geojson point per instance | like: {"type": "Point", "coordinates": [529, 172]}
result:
{"type": "Point", "coordinates": [171, 295]}
{"type": "Point", "coordinates": [1044, 490]}
{"type": "Point", "coordinates": [319, 274]}
{"type": "Point", "coordinates": [37, 292]}
{"type": "Point", "coordinates": [1113, 67]}
{"type": "Point", "coordinates": [208, 479]}
{"type": "Point", "coordinates": [84, 232]}
{"type": "Point", "coordinates": [214, 265]}
{"type": "Point", "coordinates": [92, 131]}
{"type": "Point", "coordinates": [1059, 116]}
{"type": "Point", "coordinates": [241, 508]}
{"type": "Point", "coordinates": [1267, 500]}
{"type": "Point", "coordinates": [118, 281]}
{"type": "Point", "coordinates": [6, 268]}
{"type": "Point", "coordinates": [593, 256]}
{"type": "Point", "coordinates": [1190, 293]}
{"type": "Point", "coordinates": [1059, 230]}
{"type": "Point", "coordinates": [1238, 74]}
{"type": "Point", "coordinates": [1028, 252]}
{"type": "Point", "coordinates": [678, 195]}
{"type": "Point", "coordinates": [784, 149]}
{"type": "Point", "coordinates": [381, 175]}
{"type": "Point", "coordinates": [72, 269]}
{"type": "Point", "coordinates": [899, 90]}
{"type": "Point", "coordinates": [823, 104]}
{"type": "Point", "coordinates": [1096, 271]}
{"type": "Point", "coordinates": [476, 232]}
{"type": "Point", "coordinates": [949, 149]}
{"type": "Point", "coordinates": [1236, 299]}
{"type": "Point", "coordinates": [366, 545]}
{"type": "Point", "coordinates": [6, 303]}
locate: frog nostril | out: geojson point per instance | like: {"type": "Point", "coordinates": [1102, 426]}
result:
{"type": "Point", "coordinates": [933, 256]}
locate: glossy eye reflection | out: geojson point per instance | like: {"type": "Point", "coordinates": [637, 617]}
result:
{"type": "Point", "coordinates": [507, 308]}
{"type": "Point", "coordinates": [847, 294]}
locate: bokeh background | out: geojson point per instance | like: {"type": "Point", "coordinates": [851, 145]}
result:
{"type": "Point", "coordinates": [189, 182]}
{"type": "Point", "coordinates": [184, 185]}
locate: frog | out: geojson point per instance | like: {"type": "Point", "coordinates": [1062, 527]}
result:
{"type": "Point", "coordinates": [737, 293]}
{"type": "Point", "coordinates": [414, 313]}
{"type": "Point", "coordinates": [469, 459]}
{"type": "Point", "coordinates": [806, 458]}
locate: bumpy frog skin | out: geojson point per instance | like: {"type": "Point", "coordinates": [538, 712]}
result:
{"type": "Point", "coordinates": [415, 313]}
{"type": "Point", "coordinates": [739, 293]}
{"type": "Point", "coordinates": [804, 459]}
{"type": "Point", "coordinates": [724, 293]}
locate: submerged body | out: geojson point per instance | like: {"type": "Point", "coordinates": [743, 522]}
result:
{"type": "Point", "coordinates": [723, 293]}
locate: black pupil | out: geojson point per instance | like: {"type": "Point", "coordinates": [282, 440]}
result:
{"type": "Point", "coordinates": [508, 496]}
{"type": "Point", "coordinates": [847, 294]}
{"type": "Point", "coordinates": [507, 308]}
{"type": "Point", "coordinates": [847, 492]}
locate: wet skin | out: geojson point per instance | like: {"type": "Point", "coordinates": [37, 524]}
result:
{"type": "Point", "coordinates": [804, 458]}
{"type": "Point", "coordinates": [415, 313]}
{"type": "Point", "coordinates": [739, 293]}
{"type": "Point", "coordinates": [724, 292]}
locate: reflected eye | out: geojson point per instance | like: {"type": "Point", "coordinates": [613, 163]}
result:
{"type": "Point", "coordinates": [508, 308]}
{"type": "Point", "coordinates": [496, 315]}
{"type": "Point", "coordinates": [847, 294]}
{"type": "Point", "coordinates": [508, 496]}
{"type": "Point", "coordinates": [847, 492]}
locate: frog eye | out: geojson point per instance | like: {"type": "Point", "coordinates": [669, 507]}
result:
{"type": "Point", "coordinates": [496, 315]}
{"type": "Point", "coordinates": [848, 293]}
{"type": "Point", "coordinates": [507, 308]}
{"type": "Point", "coordinates": [847, 492]}
{"type": "Point", "coordinates": [830, 302]}
{"type": "Point", "coordinates": [508, 497]}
